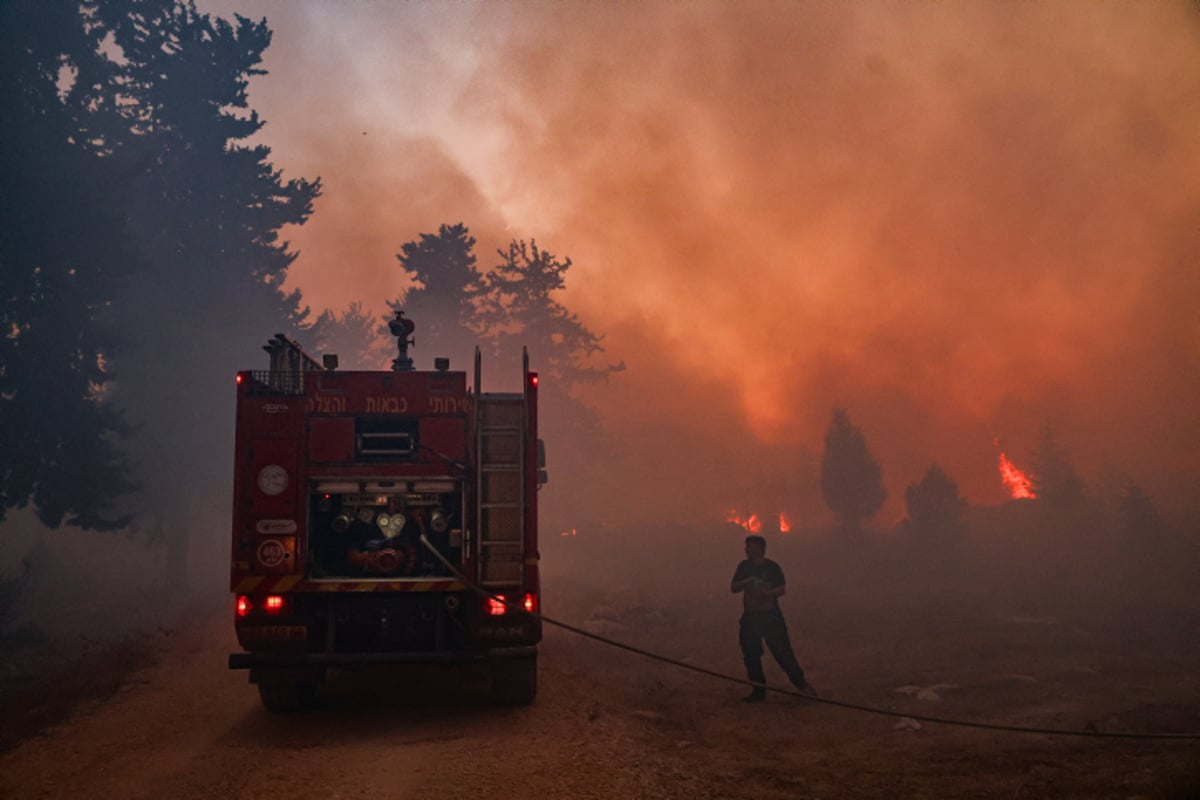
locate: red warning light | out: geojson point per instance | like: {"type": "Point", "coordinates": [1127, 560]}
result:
{"type": "Point", "coordinates": [239, 379]}
{"type": "Point", "coordinates": [533, 379]}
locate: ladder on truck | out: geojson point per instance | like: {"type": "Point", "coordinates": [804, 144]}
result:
{"type": "Point", "coordinates": [501, 432]}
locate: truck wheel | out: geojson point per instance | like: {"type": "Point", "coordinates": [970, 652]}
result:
{"type": "Point", "coordinates": [279, 697]}
{"type": "Point", "coordinates": [514, 682]}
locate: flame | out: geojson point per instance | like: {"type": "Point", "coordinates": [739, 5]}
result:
{"type": "Point", "coordinates": [751, 523]}
{"type": "Point", "coordinates": [1018, 482]}
{"type": "Point", "coordinates": [785, 526]}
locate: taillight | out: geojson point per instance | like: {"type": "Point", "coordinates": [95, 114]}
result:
{"type": "Point", "coordinates": [273, 604]}
{"type": "Point", "coordinates": [239, 379]}
{"type": "Point", "coordinates": [498, 606]}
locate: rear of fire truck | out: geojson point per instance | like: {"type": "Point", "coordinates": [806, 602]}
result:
{"type": "Point", "coordinates": [383, 518]}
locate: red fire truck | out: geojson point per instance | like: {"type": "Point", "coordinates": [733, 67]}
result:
{"type": "Point", "coordinates": [381, 518]}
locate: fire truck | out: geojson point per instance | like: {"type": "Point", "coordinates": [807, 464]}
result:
{"type": "Point", "coordinates": [382, 518]}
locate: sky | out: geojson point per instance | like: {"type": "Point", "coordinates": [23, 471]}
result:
{"type": "Point", "coordinates": [961, 222]}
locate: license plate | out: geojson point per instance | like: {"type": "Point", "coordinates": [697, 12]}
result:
{"type": "Point", "coordinates": [275, 633]}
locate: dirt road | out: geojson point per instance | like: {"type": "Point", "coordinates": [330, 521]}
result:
{"type": "Point", "coordinates": [608, 724]}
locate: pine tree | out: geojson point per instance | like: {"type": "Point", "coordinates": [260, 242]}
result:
{"type": "Point", "coordinates": [354, 336]}
{"type": "Point", "coordinates": [64, 253]}
{"type": "Point", "coordinates": [1141, 523]}
{"type": "Point", "coordinates": [204, 209]}
{"type": "Point", "coordinates": [446, 288]}
{"type": "Point", "coordinates": [935, 509]}
{"type": "Point", "coordinates": [1055, 481]}
{"type": "Point", "coordinates": [521, 309]}
{"type": "Point", "coordinates": [851, 479]}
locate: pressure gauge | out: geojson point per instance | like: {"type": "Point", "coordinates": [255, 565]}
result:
{"type": "Point", "coordinates": [272, 479]}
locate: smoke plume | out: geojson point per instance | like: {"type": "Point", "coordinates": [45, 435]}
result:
{"type": "Point", "coordinates": [958, 221]}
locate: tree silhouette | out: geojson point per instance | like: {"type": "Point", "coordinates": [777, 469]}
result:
{"type": "Point", "coordinates": [520, 307]}
{"type": "Point", "coordinates": [1055, 481]}
{"type": "Point", "coordinates": [204, 210]}
{"type": "Point", "coordinates": [63, 255]}
{"type": "Point", "coordinates": [446, 288]}
{"type": "Point", "coordinates": [851, 479]}
{"type": "Point", "coordinates": [1140, 520]}
{"type": "Point", "coordinates": [935, 509]}
{"type": "Point", "coordinates": [354, 336]}
{"type": "Point", "coordinates": [514, 305]}
{"type": "Point", "coordinates": [140, 259]}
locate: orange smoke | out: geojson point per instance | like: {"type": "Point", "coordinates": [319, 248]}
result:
{"type": "Point", "coordinates": [909, 249]}
{"type": "Point", "coordinates": [1018, 482]}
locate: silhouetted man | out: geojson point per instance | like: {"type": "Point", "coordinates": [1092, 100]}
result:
{"type": "Point", "coordinates": [761, 582]}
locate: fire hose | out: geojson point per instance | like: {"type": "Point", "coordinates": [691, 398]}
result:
{"type": "Point", "coordinates": [990, 726]}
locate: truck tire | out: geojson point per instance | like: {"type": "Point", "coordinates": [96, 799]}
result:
{"type": "Point", "coordinates": [514, 682]}
{"type": "Point", "coordinates": [280, 697]}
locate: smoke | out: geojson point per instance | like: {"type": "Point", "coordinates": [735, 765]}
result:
{"type": "Point", "coordinates": [958, 221]}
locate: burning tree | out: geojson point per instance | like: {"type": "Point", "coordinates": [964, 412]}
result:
{"type": "Point", "coordinates": [1017, 482]}
{"type": "Point", "coordinates": [935, 509]}
{"type": "Point", "coordinates": [851, 479]}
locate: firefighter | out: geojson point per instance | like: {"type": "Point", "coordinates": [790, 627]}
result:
{"type": "Point", "coordinates": [761, 582]}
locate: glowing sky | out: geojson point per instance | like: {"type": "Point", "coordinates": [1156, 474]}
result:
{"type": "Point", "coordinates": [959, 220]}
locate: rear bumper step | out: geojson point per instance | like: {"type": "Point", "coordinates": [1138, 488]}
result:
{"type": "Point", "coordinates": [259, 660]}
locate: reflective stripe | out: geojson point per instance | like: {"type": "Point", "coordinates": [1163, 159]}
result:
{"type": "Point", "coordinates": [263, 584]}
{"type": "Point", "coordinates": [247, 585]}
{"type": "Point", "coordinates": [286, 583]}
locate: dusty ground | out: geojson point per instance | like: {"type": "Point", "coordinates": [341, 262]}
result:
{"type": "Point", "coordinates": [608, 724]}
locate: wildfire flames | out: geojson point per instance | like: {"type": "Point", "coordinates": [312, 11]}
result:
{"type": "Point", "coordinates": [1018, 482]}
{"type": "Point", "coordinates": [753, 523]}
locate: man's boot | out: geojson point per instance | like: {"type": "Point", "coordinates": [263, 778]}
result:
{"type": "Point", "coordinates": [757, 695]}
